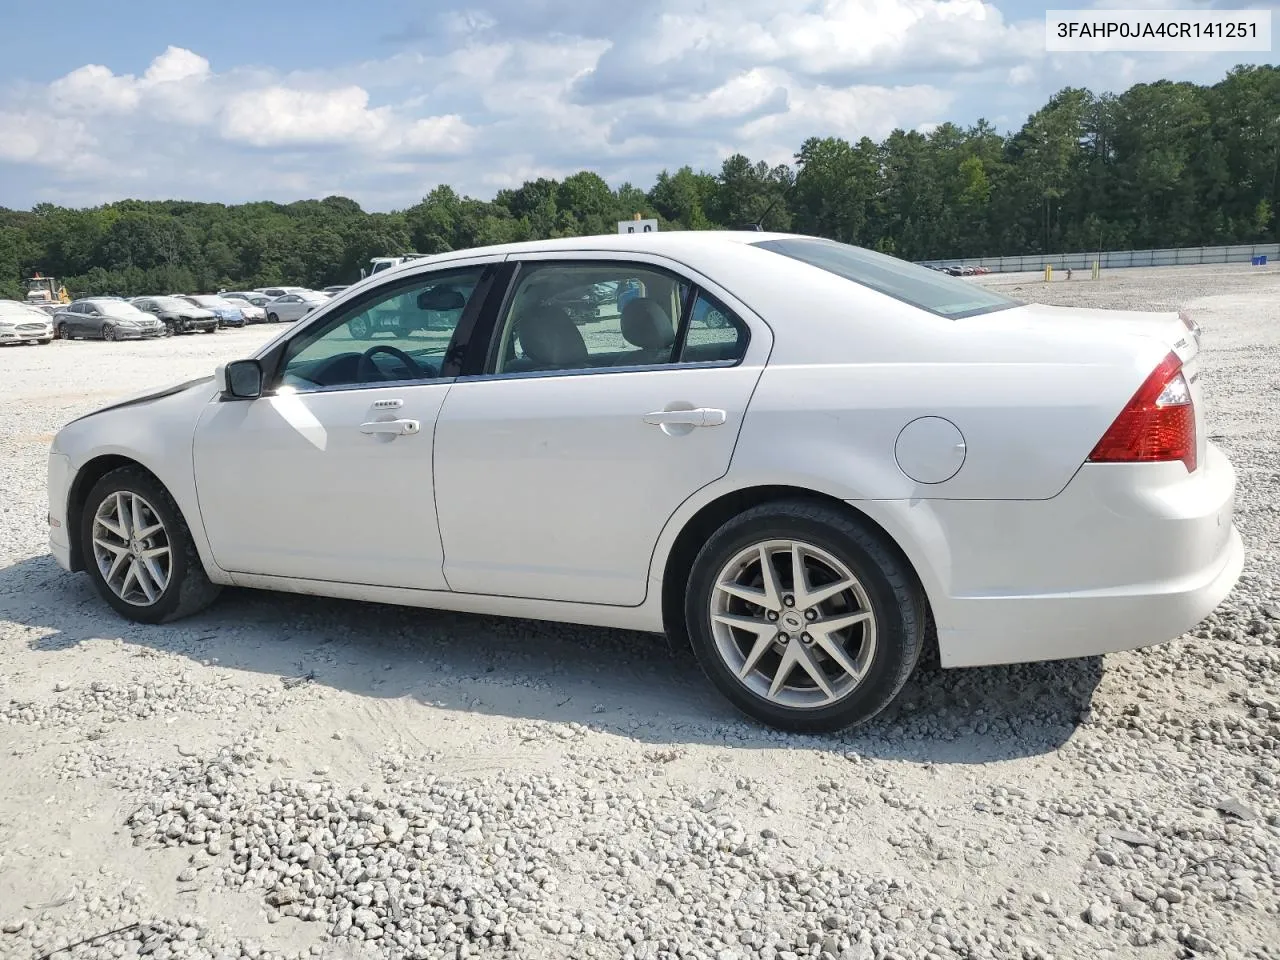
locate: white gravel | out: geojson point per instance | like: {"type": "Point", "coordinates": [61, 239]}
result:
{"type": "Point", "coordinates": [287, 777]}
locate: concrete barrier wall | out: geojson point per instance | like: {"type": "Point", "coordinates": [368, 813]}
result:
{"type": "Point", "coordinates": [1175, 256]}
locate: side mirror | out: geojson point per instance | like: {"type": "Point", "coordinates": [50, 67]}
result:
{"type": "Point", "coordinates": [242, 380]}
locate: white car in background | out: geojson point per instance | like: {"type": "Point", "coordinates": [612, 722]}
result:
{"type": "Point", "coordinates": [854, 447]}
{"type": "Point", "coordinates": [295, 306]}
{"type": "Point", "coordinates": [275, 292]}
{"type": "Point", "coordinates": [20, 323]}
{"type": "Point", "coordinates": [248, 296]}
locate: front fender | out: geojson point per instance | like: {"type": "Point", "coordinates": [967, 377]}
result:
{"type": "Point", "coordinates": [157, 433]}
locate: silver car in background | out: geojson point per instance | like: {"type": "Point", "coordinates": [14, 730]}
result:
{"type": "Point", "coordinates": [107, 319]}
{"type": "Point", "coordinates": [20, 323]}
{"type": "Point", "coordinates": [294, 306]}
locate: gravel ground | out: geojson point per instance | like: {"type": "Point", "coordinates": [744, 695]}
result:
{"type": "Point", "coordinates": [285, 777]}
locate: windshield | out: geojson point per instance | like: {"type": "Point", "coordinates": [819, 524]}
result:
{"type": "Point", "coordinates": [118, 308]}
{"type": "Point", "coordinates": [11, 308]}
{"type": "Point", "coordinates": [170, 303]}
{"type": "Point", "coordinates": [919, 286]}
{"type": "Point", "coordinates": [209, 301]}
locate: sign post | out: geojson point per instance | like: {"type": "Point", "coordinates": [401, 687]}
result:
{"type": "Point", "coordinates": [636, 225]}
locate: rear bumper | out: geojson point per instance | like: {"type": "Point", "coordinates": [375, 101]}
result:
{"type": "Point", "coordinates": [1126, 556]}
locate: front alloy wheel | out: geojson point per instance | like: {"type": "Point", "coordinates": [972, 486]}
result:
{"type": "Point", "coordinates": [805, 617]}
{"type": "Point", "coordinates": [108, 332]}
{"type": "Point", "coordinates": [138, 550]}
{"type": "Point", "coordinates": [131, 548]}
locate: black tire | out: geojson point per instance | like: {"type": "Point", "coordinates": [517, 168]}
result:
{"type": "Point", "coordinates": [272, 318]}
{"type": "Point", "coordinates": [108, 332]}
{"type": "Point", "coordinates": [895, 596]}
{"type": "Point", "coordinates": [189, 589]}
{"type": "Point", "coordinates": [169, 329]}
{"type": "Point", "coordinates": [358, 327]}
{"type": "Point", "coordinates": [60, 331]}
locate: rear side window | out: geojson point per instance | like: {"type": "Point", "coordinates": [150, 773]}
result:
{"type": "Point", "coordinates": [714, 333]}
{"type": "Point", "coordinates": [938, 293]}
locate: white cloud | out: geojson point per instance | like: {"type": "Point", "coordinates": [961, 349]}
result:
{"type": "Point", "coordinates": [278, 116]}
{"type": "Point", "coordinates": [176, 65]}
{"type": "Point", "coordinates": [507, 90]}
{"type": "Point", "coordinates": [94, 88]}
{"type": "Point", "coordinates": [36, 138]}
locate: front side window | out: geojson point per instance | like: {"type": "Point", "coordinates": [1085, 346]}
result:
{"type": "Point", "coordinates": [590, 315]}
{"type": "Point", "coordinates": [919, 286]}
{"type": "Point", "coordinates": [402, 333]}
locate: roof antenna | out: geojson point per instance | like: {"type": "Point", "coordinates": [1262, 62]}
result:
{"type": "Point", "coordinates": [758, 225]}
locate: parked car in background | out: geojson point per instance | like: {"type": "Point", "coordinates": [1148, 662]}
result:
{"type": "Point", "coordinates": [247, 296]}
{"type": "Point", "coordinates": [334, 289]}
{"type": "Point", "coordinates": [228, 312]}
{"type": "Point", "coordinates": [274, 292]}
{"type": "Point", "coordinates": [294, 306]}
{"type": "Point", "coordinates": [21, 323]}
{"type": "Point", "coordinates": [178, 315]}
{"type": "Point", "coordinates": [106, 318]}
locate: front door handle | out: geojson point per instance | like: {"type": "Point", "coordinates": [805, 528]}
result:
{"type": "Point", "coordinates": [701, 417]}
{"type": "Point", "coordinates": [392, 428]}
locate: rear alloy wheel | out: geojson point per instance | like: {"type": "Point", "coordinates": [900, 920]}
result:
{"type": "Point", "coordinates": [272, 318]}
{"type": "Point", "coordinates": [108, 332]}
{"type": "Point", "coordinates": [803, 618]}
{"type": "Point", "coordinates": [61, 332]}
{"type": "Point", "coordinates": [138, 549]}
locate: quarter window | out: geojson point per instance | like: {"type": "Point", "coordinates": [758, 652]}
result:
{"type": "Point", "coordinates": [401, 333]}
{"type": "Point", "coordinates": [714, 333]}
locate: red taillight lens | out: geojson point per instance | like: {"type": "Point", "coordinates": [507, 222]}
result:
{"type": "Point", "coordinates": [1158, 424]}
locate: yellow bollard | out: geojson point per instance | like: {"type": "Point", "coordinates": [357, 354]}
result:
{"type": "Point", "coordinates": [1048, 273]}
{"type": "Point", "coordinates": [1097, 269]}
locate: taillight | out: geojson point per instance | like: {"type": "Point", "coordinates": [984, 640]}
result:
{"type": "Point", "coordinates": [1158, 424]}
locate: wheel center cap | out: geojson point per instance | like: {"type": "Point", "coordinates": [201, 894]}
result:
{"type": "Point", "coordinates": [135, 547]}
{"type": "Point", "coordinates": [792, 620]}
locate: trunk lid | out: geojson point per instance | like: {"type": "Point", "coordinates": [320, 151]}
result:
{"type": "Point", "coordinates": [1176, 331]}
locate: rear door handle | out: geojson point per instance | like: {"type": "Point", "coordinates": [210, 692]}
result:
{"type": "Point", "coordinates": [701, 417]}
{"type": "Point", "coordinates": [394, 428]}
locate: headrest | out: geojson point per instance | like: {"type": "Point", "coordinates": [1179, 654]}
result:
{"type": "Point", "coordinates": [646, 325]}
{"type": "Point", "coordinates": [549, 336]}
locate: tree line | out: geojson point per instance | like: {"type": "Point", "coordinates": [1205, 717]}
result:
{"type": "Point", "coordinates": [1160, 165]}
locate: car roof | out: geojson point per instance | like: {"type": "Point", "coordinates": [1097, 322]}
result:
{"type": "Point", "coordinates": [672, 243]}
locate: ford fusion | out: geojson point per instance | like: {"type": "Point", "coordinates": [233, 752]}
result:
{"type": "Point", "coordinates": [792, 453]}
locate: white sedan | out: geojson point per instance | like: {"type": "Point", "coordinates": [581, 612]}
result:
{"type": "Point", "coordinates": [294, 306]}
{"type": "Point", "coordinates": [791, 452]}
{"type": "Point", "coordinates": [20, 323]}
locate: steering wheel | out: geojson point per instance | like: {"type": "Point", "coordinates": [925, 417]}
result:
{"type": "Point", "coordinates": [368, 371]}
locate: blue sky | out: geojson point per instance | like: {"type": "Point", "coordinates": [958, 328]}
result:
{"type": "Point", "coordinates": [285, 99]}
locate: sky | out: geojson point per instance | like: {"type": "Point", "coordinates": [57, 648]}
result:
{"type": "Point", "coordinates": [231, 100]}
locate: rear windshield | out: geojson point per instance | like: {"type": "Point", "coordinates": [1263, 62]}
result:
{"type": "Point", "coordinates": [919, 286]}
